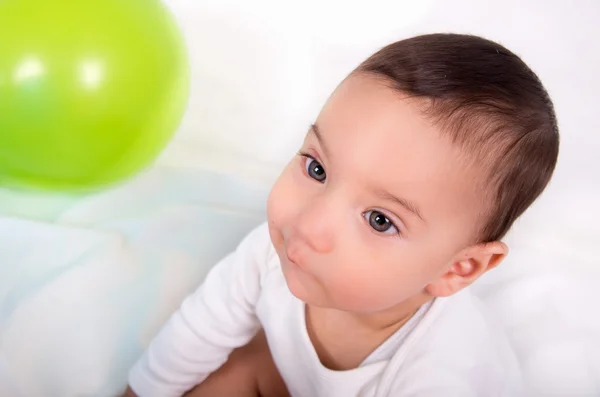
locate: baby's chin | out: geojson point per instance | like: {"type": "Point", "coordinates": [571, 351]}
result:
{"type": "Point", "coordinates": [311, 293]}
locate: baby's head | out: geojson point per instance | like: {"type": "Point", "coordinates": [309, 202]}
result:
{"type": "Point", "coordinates": [415, 169]}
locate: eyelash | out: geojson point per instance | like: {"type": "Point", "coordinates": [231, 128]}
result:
{"type": "Point", "coordinates": [399, 234]}
{"type": "Point", "coordinates": [306, 155]}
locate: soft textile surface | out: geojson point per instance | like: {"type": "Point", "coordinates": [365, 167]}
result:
{"type": "Point", "coordinates": [82, 295]}
{"type": "Point", "coordinates": [84, 284]}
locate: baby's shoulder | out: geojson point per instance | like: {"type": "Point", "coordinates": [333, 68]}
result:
{"type": "Point", "coordinates": [459, 346]}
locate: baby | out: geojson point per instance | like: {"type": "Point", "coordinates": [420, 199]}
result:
{"type": "Point", "coordinates": [413, 172]}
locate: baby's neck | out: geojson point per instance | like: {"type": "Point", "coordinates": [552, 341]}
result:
{"type": "Point", "coordinates": [343, 340]}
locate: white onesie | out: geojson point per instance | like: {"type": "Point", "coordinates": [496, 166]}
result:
{"type": "Point", "coordinates": [448, 349]}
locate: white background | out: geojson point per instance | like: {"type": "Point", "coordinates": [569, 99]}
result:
{"type": "Point", "coordinates": [262, 69]}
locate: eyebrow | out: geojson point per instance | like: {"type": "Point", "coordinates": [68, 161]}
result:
{"type": "Point", "coordinates": [407, 204]}
{"type": "Point", "coordinates": [317, 132]}
{"type": "Point", "coordinates": [383, 194]}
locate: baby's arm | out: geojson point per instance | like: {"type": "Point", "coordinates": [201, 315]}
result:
{"type": "Point", "coordinates": [211, 322]}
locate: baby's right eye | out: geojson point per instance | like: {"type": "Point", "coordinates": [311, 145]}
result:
{"type": "Point", "coordinates": [314, 169]}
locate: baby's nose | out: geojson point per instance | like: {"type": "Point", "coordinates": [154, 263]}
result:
{"type": "Point", "coordinates": [316, 227]}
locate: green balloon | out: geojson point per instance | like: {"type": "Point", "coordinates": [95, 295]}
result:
{"type": "Point", "coordinates": [90, 90]}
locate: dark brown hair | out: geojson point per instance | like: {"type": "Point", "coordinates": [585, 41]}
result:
{"type": "Point", "coordinates": [490, 103]}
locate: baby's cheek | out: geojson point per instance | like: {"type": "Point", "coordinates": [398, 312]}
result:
{"type": "Point", "coordinates": [363, 291]}
{"type": "Point", "coordinates": [373, 284]}
{"type": "Point", "coordinates": [276, 202]}
{"type": "Point", "coordinates": [283, 190]}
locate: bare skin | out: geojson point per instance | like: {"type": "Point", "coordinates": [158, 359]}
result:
{"type": "Point", "coordinates": [249, 372]}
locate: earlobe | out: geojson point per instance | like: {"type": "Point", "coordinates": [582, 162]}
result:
{"type": "Point", "coordinates": [466, 267]}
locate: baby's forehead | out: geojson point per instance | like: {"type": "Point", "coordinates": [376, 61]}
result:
{"type": "Point", "coordinates": [401, 154]}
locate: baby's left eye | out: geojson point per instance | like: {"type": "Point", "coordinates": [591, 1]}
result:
{"type": "Point", "coordinates": [380, 223]}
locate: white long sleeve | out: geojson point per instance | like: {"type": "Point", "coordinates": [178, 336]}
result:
{"type": "Point", "coordinates": [217, 318]}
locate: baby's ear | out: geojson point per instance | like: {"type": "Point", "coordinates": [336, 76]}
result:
{"type": "Point", "coordinates": [467, 267]}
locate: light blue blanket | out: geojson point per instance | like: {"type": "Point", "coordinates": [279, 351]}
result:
{"type": "Point", "coordinates": [85, 282]}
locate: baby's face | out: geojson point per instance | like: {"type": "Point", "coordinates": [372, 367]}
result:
{"type": "Point", "coordinates": [376, 206]}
